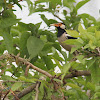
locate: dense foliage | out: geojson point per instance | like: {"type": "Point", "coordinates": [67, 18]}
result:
{"type": "Point", "coordinates": [40, 48]}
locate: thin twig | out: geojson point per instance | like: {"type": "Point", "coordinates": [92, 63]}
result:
{"type": "Point", "coordinates": [6, 95]}
{"type": "Point", "coordinates": [37, 91]}
{"type": "Point", "coordinates": [58, 17]}
{"type": "Point", "coordinates": [6, 81]}
{"type": "Point", "coordinates": [14, 95]}
{"type": "Point", "coordinates": [26, 70]}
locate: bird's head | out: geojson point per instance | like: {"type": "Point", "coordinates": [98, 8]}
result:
{"type": "Point", "coordinates": [61, 28]}
{"type": "Point", "coordinates": [59, 25]}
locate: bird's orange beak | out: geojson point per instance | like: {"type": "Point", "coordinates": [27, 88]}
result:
{"type": "Point", "coordinates": [56, 24]}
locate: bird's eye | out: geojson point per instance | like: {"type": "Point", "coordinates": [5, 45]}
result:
{"type": "Point", "coordinates": [60, 24]}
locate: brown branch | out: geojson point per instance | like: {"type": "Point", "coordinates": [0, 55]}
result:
{"type": "Point", "coordinates": [98, 50]}
{"type": "Point", "coordinates": [6, 95]}
{"type": "Point", "coordinates": [37, 91]}
{"type": "Point", "coordinates": [31, 65]}
{"type": "Point", "coordinates": [26, 91]}
{"type": "Point", "coordinates": [76, 74]}
{"type": "Point", "coordinates": [6, 81]}
{"type": "Point", "coordinates": [24, 61]}
{"type": "Point", "coordinates": [2, 57]}
{"type": "Point", "coordinates": [14, 95]}
{"type": "Point", "coordinates": [26, 70]}
{"type": "Point", "coordinates": [58, 17]}
{"type": "Point", "coordinates": [1, 87]}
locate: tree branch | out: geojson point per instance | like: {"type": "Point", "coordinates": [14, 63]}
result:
{"type": "Point", "coordinates": [76, 74]}
{"type": "Point", "coordinates": [26, 91]}
{"type": "Point", "coordinates": [37, 91]}
{"type": "Point", "coordinates": [58, 17]}
{"type": "Point", "coordinates": [31, 65]}
{"type": "Point", "coordinates": [16, 98]}
{"type": "Point", "coordinates": [24, 61]}
{"type": "Point", "coordinates": [6, 81]}
{"type": "Point", "coordinates": [26, 70]}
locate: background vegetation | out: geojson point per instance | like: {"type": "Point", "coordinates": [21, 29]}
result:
{"type": "Point", "coordinates": [32, 48]}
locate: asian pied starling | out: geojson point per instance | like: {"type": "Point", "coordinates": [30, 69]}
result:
{"type": "Point", "coordinates": [62, 36]}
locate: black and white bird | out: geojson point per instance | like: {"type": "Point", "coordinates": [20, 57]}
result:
{"type": "Point", "coordinates": [63, 36]}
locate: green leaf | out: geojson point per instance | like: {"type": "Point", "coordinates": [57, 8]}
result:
{"type": "Point", "coordinates": [65, 69]}
{"type": "Point", "coordinates": [96, 95]}
{"type": "Point", "coordinates": [41, 64]}
{"type": "Point", "coordinates": [64, 55]}
{"type": "Point", "coordinates": [80, 29]}
{"type": "Point", "coordinates": [57, 56]}
{"type": "Point", "coordinates": [22, 27]}
{"type": "Point", "coordinates": [1, 2]}
{"type": "Point", "coordinates": [31, 9]}
{"type": "Point", "coordinates": [19, 5]}
{"type": "Point", "coordinates": [98, 43]}
{"type": "Point", "coordinates": [86, 46]}
{"type": "Point", "coordinates": [16, 86]}
{"type": "Point", "coordinates": [41, 1]}
{"type": "Point", "coordinates": [8, 40]}
{"type": "Point", "coordinates": [97, 88]}
{"type": "Point", "coordinates": [46, 49]}
{"type": "Point", "coordinates": [81, 59]}
{"type": "Point", "coordinates": [44, 19]}
{"type": "Point", "coordinates": [54, 3]}
{"type": "Point", "coordinates": [8, 19]}
{"type": "Point", "coordinates": [92, 29]}
{"type": "Point", "coordinates": [81, 3]}
{"type": "Point", "coordinates": [91, 44]}
{"type": "Point", "coordinates": [15, 1]}
{"type": "Point", "coordinates": [91, 37]}
{"type": "Point", "coordinates": [42, 87]}
{"type": "Point", "coordinates": [95, 71]}
{"type": "Point", "coordinates": [27, 80]}
{"type": "Point", "coordinates": [74, 86]}
{"type": "Point", "coordinates": [90, 63]}
{"type": "Point", "coordinates": [73, 33]}
{"type": "Point", "coordinates": [28, 96]}
{"type": "Point", "coordinates": [48, 62]}
{"type": "Point", "coordinates": [97, 35]}
{"type": "Point", "coordinates": [90, 86]}
{"type": "Point", "coordinates": [22, 78]}
{"type": "Point", "coordinates": [7, 22]}
{"type": "Point", "coordinates": [69, 4]}
{"type": "Point", "coordinates": [87, 19]}
{"type": "Point", "coordinates": [23, 43]}
{"type": "Point", "coordinates": [5, 77]}
{"type": "Point", "coordinates": [28, 2]}
{"type": "Point", "coordinates": [57, 62]}
{"type": "Point", "coordinates": [2, 47]}
{"type": "Point", "coordinates": [34, 46]}
{"type": "Point", "coordinates": [70, 41]}
{"type": "Point", "coordinates": [15, 32]}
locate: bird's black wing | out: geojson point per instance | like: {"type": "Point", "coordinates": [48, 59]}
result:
{"type": "Point", "coordinates": [70, 37]}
